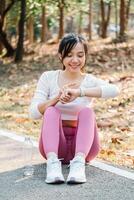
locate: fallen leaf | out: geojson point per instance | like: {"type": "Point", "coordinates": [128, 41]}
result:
{"type": "Point", "coordinates": [21, 120]}
{"type": "Point", "coordinates": [116, 140]}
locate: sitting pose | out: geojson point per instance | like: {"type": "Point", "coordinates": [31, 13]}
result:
{"type": "Point", "coordinates": [64, 99]}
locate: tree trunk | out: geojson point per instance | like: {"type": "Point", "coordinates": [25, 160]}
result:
{"type": "Point", "coordinates": [80, 22]}
{"type": "Point", "coordinates": [3, 37]}
{"type": "Point", "coordinates": [44, 24]}
{"type": "Point", "coordinates": [122, 20]}
{"type": "Point", "coordinates": [1, 48]}
{"type": "Point", "coordinates": [19, 50]}
{"type": "Point", "coordinates": [127, 12]}
{"type": "Point", "coordinates": [90, 19]}
{"type": "Point", "coordinates": [116, 18]}
{"type": "Point", "coordinates": [105, 18]}
{"type": "Point", "coordinates": [6, 44]}
{"type": "Point", "coordinates": [30, 29]}
{"type": "Point", "coordinates": [98, 21]}
{"type": "Point", "coordinates": [2, 8]}
{"type": "Point", "coordinates": [61, 19]}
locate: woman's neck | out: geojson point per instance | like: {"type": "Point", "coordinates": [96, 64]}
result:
{"type": "Point", "coordinates": [69, 75]}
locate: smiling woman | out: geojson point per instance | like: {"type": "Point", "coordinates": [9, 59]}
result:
{"type": "Point", "coordinates": [64, 99]}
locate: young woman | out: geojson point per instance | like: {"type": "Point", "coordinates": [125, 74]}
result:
{"type": "Point", "coordinates": [64, 99]}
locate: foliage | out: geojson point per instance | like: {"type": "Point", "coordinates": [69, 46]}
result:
{"type": "Point", "coordinates": [72, 8]}
{"type": "Point", "coordinates": [12, 20]}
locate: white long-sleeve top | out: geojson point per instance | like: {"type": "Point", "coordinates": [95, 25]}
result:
{"type": "Point", "coordinates": [47, 88]}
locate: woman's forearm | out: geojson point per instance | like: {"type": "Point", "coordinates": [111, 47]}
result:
{"type": "Point", "coordinates": [91, 92]}
{"type": "Point", "coordinates": [102, 91]}
{"type": "Point", "coordinates": [43, 106]}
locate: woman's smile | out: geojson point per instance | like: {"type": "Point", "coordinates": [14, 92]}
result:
{"type": "Point", "coordinates": [74, 66]}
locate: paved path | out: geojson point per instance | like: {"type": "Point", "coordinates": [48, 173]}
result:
{"type": "Point", "coordinates": [101, 185]}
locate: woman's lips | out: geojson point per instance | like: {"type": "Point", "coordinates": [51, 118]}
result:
{"type": "Point", "coordinates": [74, 66]}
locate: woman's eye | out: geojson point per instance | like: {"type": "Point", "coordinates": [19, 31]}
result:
{"type": "Point", "coordinates": [69, 55]}
{"type": "Point", "coordinates": [81, 55]}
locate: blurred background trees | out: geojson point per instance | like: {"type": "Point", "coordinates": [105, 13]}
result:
{"type": "Point", "coordinates": [47, 21]}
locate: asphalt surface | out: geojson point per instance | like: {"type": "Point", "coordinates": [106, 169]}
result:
{"type": "Point", "coordinates": [101, 185]}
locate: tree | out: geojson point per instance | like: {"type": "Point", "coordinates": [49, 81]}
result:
{"type": "Point", "coordinates": [61, 5]}
{"type": "Point", "coordinates": [33, 13]}
{"type": "Point", "coordinates": [116, 18]}
{"type": "Point", "coordinates": [44, 29]}
{"type": "Point", "coordinates": [2, 8]}
{"type": "Point", "coordinates": [3, 36]}
{"type": "Point", "coordinates": [30, 28]}
{"type": "Point", "coordinates": [80, 22]}
{"type": "Point", "coordinates": [128, 5]}
{"type": "Point", "coordinates": [19, 50]}
{"type": "Point", "coordinates": [122, 20]}
{"type": "Point", "coordinates": [105, 7]}
{"type": "Point", "coordinates": [90, 19]}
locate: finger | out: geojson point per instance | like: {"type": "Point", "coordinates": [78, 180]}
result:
{"type": "Point", "coordinates": [65, 99]}
{"type": "Point", "coordinates": [63, 102]}
{"type": "Point", "coordinates": [65, 93]}
{"type": "Point", "coordinates": [73, 84]}
{"type": "Point", "coordinates": [69, 85]}
{"type": "Point", "coordinates": [60, 93]}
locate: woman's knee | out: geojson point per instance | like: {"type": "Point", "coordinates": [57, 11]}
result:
{"type": "Point", "coordinates": [51, 111]}
{"type": "Point", "coordinates": [88, 112]}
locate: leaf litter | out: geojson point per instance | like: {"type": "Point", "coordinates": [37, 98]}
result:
{"type": "Point", "coordinates": [115, 117]}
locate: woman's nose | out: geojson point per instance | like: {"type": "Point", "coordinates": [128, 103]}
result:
{"type": "Point", "coordinates": [74, 59]}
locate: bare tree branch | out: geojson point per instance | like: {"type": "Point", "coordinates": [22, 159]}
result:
{"type": "Point", "coordinates": [8, 8]}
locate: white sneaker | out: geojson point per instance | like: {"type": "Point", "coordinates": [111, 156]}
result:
{"type": "Point", "coordinates": [54, 171]}
{"type": "Point", "coordinates": [77, 171]}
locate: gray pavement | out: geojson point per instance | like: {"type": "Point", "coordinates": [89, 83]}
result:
{"type": "Point", "coordinates": [101, 185]}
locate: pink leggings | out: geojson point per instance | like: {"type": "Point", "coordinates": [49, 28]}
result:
{"type": "Point", "coordinates": [67, 141]}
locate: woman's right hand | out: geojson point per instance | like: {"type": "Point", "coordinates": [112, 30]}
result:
{"type": "Point", "coordinates": [65, 97]}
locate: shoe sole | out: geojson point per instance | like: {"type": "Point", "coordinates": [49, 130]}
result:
{"type": "Point", "coordinates": [73, 181]}
{"type": "Point", "coordinates": [57, 180]}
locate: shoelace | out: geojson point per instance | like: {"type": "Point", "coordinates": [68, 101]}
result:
{"type": "Point", "coordinates": [55, 164]}
{"type": "Point", "coordinates": [77, 166]}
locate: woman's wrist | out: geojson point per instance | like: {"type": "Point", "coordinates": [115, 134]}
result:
{"type": "Point", "coordinates": [90, 92]}
{"type": "Point", "coordinates": [43, 106]}
{"type": "Point", "coordinates": [82, 92]}
{"type": "Point", "coordinates": [55, 100]}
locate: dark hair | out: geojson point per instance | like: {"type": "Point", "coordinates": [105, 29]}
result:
{"type": "Point", "coordinates": [69, 42]}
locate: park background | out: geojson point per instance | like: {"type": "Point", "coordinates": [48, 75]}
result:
{"type": "Point", "coordinates": [30, 32]}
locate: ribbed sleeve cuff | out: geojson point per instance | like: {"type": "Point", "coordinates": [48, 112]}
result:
{"type": "Point", "coordinates": [34, 112]}
{"type": "Point", "coordinates": [109, 91]}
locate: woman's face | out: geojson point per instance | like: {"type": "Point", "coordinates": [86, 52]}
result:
{"type": "Point", "coordinates": [75, 59]}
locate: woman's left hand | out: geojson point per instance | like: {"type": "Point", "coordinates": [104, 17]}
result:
{"type": "Point", "coordinates": [69, 94]}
